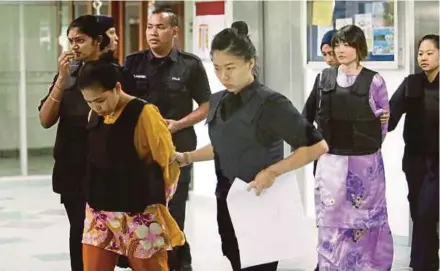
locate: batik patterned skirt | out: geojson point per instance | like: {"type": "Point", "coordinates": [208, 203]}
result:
{"type": "Point", "coordinates": [355, 250]}
{"type": "Point", "coordinates": [137, 235]}
{"type": "Point", "coordinates": [353, 229]}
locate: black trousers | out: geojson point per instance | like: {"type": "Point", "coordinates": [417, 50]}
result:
{"type": "Point", "coordinates": [75, 208]}
{"type": "Point", "coordinates": [229, 240]}
{"type": "Point", "coordinates": [180, 257]}
{"type": "Point", "coordinates": [315, 164]}
{"type": "Point", "coordinates": [422, 175]}
{"type": "Point", "coordinates": [123, 262]}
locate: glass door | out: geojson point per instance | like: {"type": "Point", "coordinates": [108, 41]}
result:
{"type": "Point", "coordinates": [10, 73]}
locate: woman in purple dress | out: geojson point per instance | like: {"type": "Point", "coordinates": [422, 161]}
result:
{"type": "Point", "coordinates": [350, 180]}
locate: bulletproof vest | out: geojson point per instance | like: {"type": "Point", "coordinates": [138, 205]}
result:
{"type": "Point", "coordinates": [421, 128]}
{"type": "Point", "coordinates": [72, 133]}
{"type": "Point", "coordinates": [238, 151]}
{"type": "Point", "coordinates": [73, 119]}
{"type": "Point", "coordinates": [345, 117]}
{"type": "Point", "coordinates": [117, 179]}
{"type": "Point", "coordinates": [71, 138]}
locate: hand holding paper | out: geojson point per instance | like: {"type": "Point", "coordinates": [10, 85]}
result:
{"type": "Point", "coordinates": [263, 180]}
{"type": "Point", "coordinates": [269, 227]}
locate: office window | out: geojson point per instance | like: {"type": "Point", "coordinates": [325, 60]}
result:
{"type": "Point", "coordinates": [376, 18]}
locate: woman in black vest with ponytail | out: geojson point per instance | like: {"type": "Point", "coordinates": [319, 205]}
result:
{"type": "Point", "coordinates": [418, 98]}
{"type": "Point", "coordinates": [248, 123]}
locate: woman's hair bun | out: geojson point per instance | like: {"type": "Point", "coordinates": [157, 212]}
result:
{"type": "Point", "coordinates": [241, 27]}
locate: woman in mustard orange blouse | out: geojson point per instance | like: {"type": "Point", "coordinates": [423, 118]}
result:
{"type": "Point", "coordinates": [129, 179]}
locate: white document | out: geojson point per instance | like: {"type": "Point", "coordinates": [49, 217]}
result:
{"type": "Point", "coordinates": [270, 227]}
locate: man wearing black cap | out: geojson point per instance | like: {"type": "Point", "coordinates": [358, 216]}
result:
{"type": "Point", "coordinates": [171, 80]}
{"type": "Point", "coordinates": [327, 50]}
{"type": "Point", "coordinates": [309, 111]}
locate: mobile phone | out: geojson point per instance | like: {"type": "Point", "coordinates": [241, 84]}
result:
{"type": "Point", "coordinates": [73, 67]}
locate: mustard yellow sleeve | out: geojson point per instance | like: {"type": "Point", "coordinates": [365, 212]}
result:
{"type": "Point", "coordinates": [153, 140]}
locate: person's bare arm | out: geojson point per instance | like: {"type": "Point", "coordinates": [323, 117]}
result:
{"type": "Point", "coordinates": [205, 153]}
{"type": "Point", "coordinates": [194, 117]}
{"type": "Point", "coordinates": [299, 158]}
{"type": "Point", "coordinates": [49, 112]}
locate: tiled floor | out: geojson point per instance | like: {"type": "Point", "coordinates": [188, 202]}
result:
{"type": "Point", "coordinates": [37, 164]}
{"type": "Point", "coordinates": [34, 233]}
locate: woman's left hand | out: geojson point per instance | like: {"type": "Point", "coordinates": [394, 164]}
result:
{"type": "Point", "coordinates": [263, 180]}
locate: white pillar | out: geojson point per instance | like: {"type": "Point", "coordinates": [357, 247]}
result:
{"type": "Point", "coordinates": [22, 95]}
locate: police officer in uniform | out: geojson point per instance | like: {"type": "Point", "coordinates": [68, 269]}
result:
{"type": "Point", "coordinates": [247, 124]}
{"type": "Point", "coordinates": [65, 104]}
{"type": "Point", "coordinates": [171, 80]}
{"type": "Point", "coordinates": [418, 98]}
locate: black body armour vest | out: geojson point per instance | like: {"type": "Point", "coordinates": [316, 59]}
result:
{"type": "Point", "coordinates": [117, 179]}
{"type": "Point", "coordinates": [238, 151]}
{"type": "Point", "coordinates": [345, 117]}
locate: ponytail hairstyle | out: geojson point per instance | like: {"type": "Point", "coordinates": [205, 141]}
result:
{"type": "Point", "coordinates": [235, 40]}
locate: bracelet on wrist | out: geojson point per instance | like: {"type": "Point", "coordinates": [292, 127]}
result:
{"type": "Point", "coordinates": [53, 99]}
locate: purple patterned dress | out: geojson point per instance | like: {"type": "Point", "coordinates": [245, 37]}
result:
{"type": "Point", "coordinates": [351, 208]}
